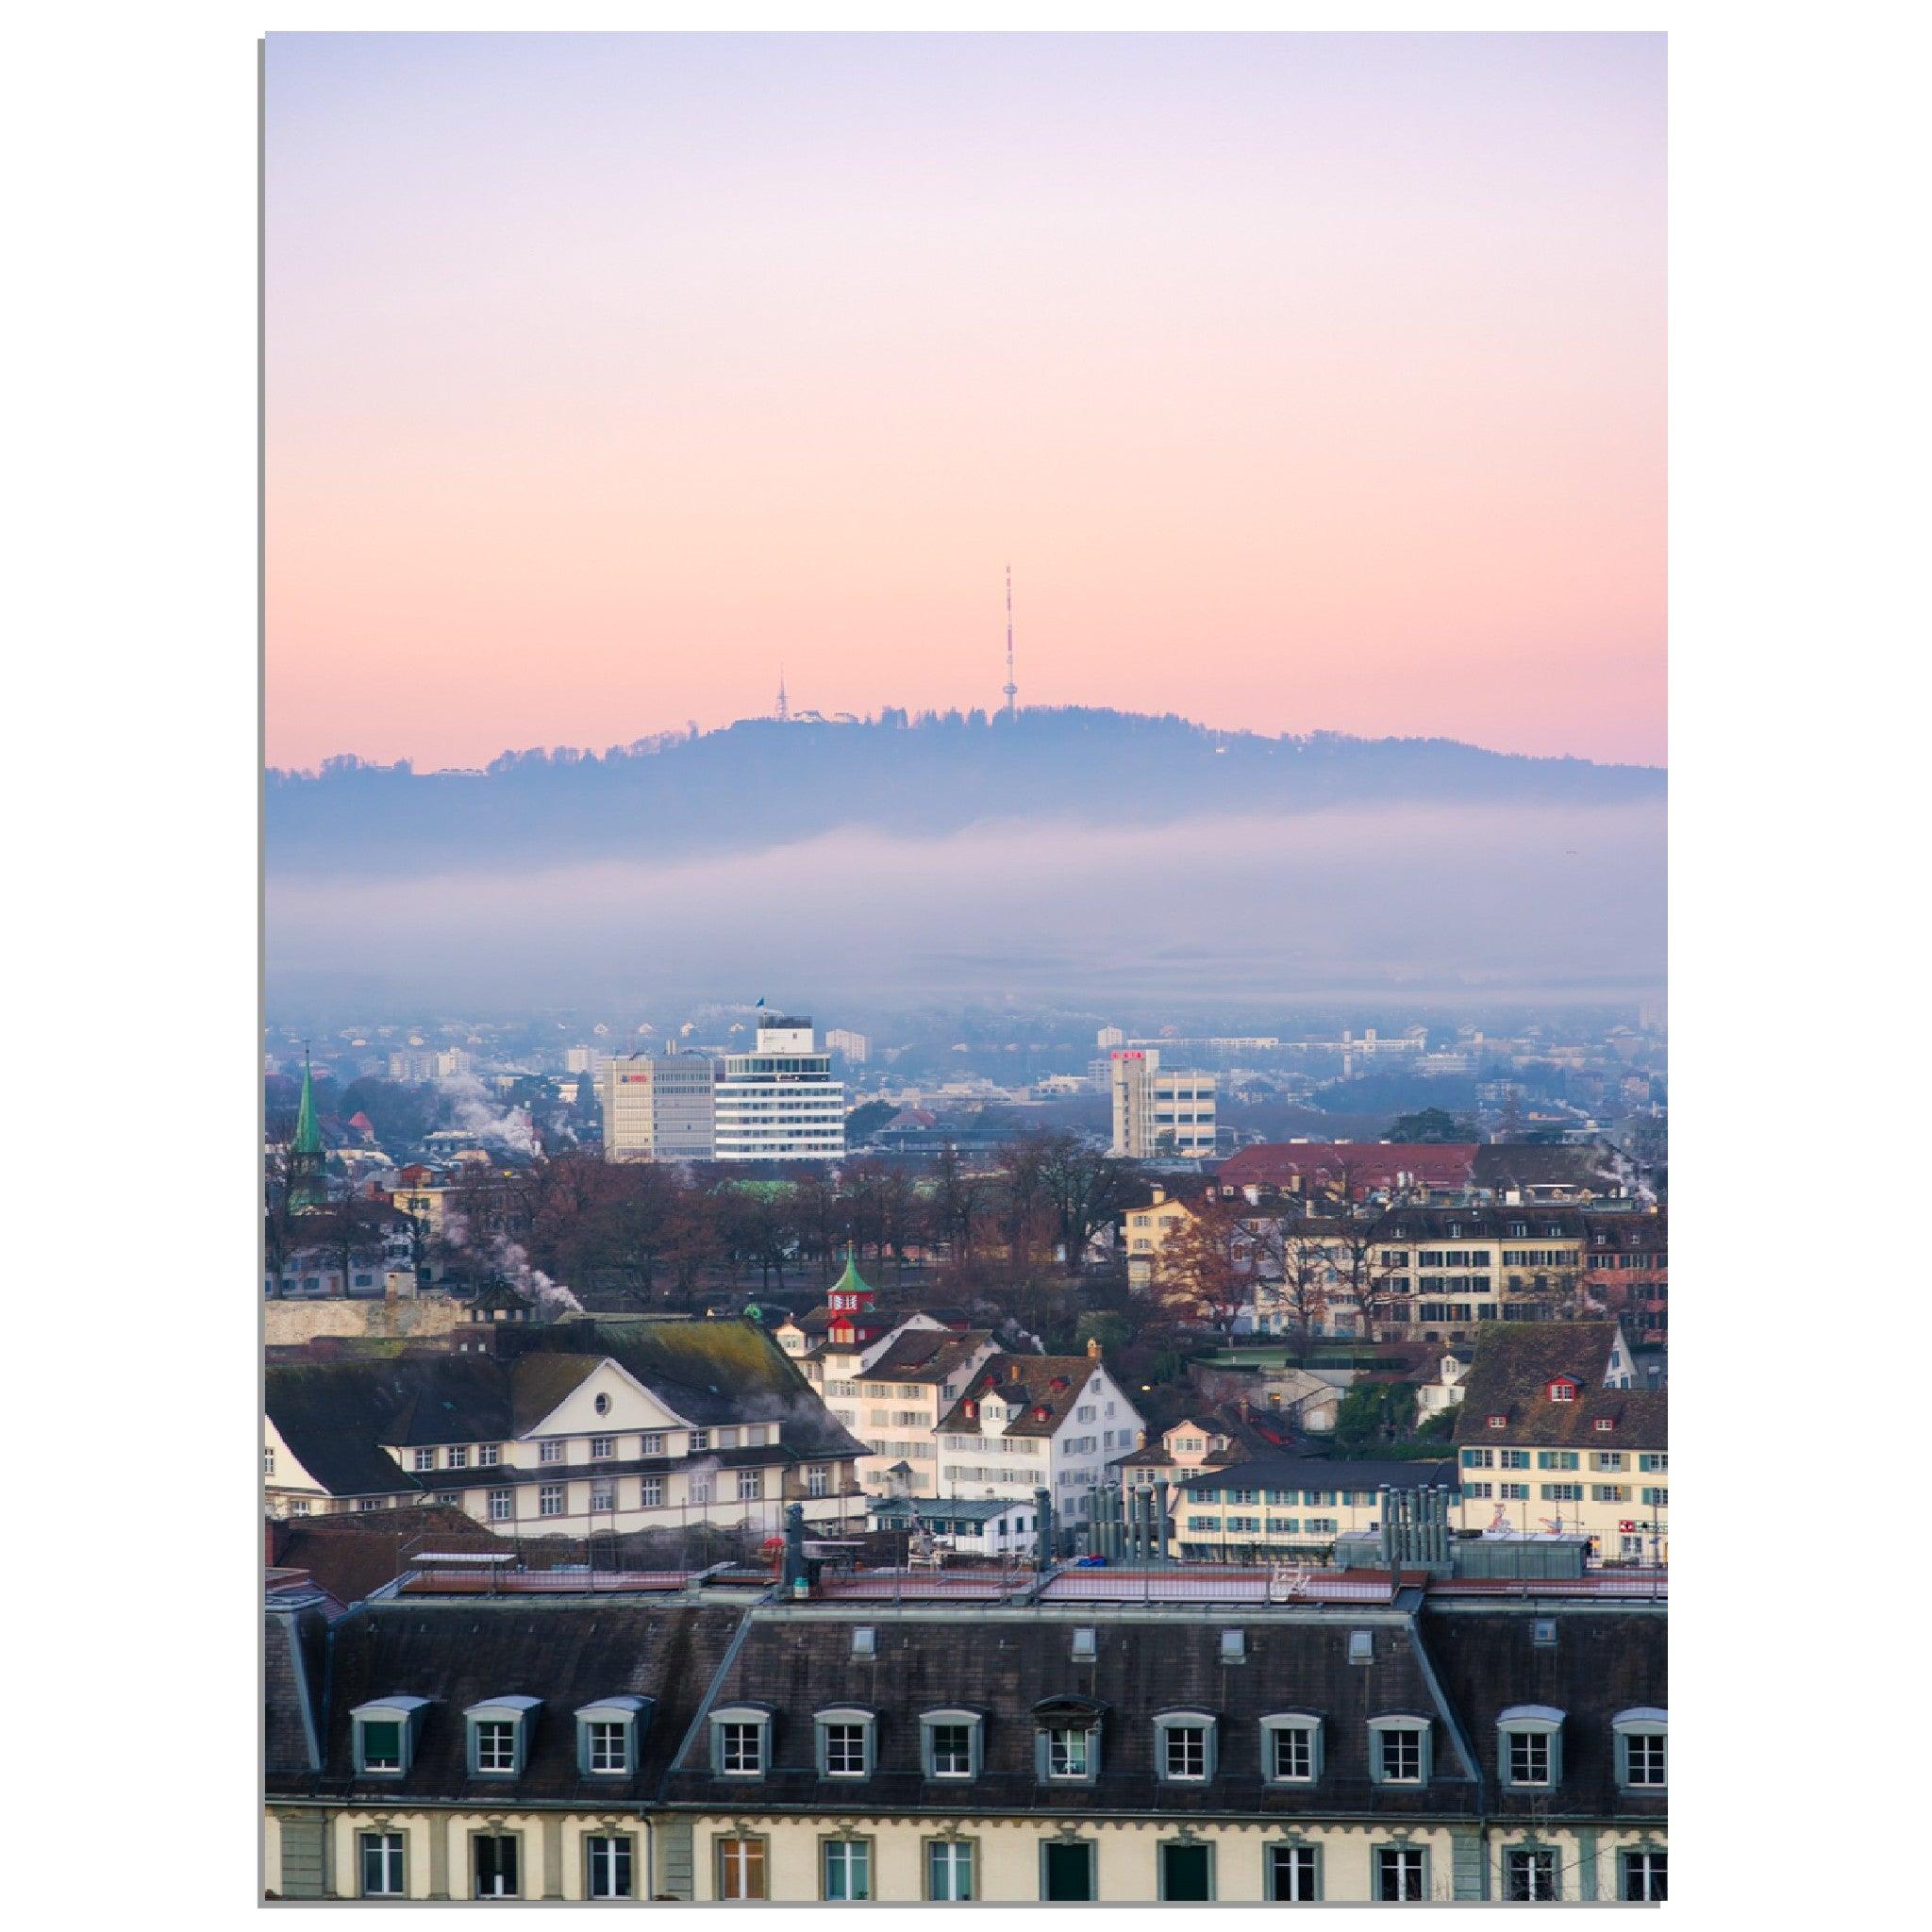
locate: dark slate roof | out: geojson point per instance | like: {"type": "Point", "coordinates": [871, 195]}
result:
{"type": "Point", "coordinates": [1531, 1164]}
{"type": "Point", "coordinates": [928, 1355]}
{"type": "Point", "coordinates": [1604, 1660]}
{"type": "Point", "coordinates": [1368, 1163]}
{"type": "Point", "coordinates": [351, 1556]}
{"type": "Point", "coordinates": [295, 1644]}
{"type": "Point", "coordinates": [1321, 1472]}
{"type": "Point", "coordinates": [1028, 1379]}
{"type": "Point", "coordinates": [1005, 1667]}
{"type": "Point", "coordinates": [1516, 1361]}
{"type": "Point", "coordinates": [722, 1370]}
{"type": "Point", "coordinates": [565, 1653]}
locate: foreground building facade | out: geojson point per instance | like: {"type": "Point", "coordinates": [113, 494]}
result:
{"type": "Point", "coordinates": [1397, 1739]}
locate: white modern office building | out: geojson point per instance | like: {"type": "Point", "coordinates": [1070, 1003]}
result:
{"type": "Point", "coordinates": [1158, 1110]}
{"type": "Point", "coordinates": [657, 1107]}
{"type": "Point", "coordinates": [780, 1101]}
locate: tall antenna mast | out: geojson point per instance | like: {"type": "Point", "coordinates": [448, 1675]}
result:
{"type": "Point", "coordinates": [784, 710]}
{"type": "Point", "coordinates": [1012, 690]}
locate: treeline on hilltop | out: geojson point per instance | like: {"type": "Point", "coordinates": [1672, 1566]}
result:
{"type": "Point", "coordinates": [925, 773]}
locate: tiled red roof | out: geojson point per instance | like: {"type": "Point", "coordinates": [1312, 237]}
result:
{"type": "Point", "coordinates": [1369, 1164]}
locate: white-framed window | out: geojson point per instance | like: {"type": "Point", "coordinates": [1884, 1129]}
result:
{"type": "Point", "coordinates": [817, 1480]}
{"type": "Point", "coordinates": [651, 1442]}
{"type": "Point", "coordinates": [460, 1457]}
{"type": "Point", "coordinates": [741, 1867]}
{"type": "Point", "coordinates": [604, 1494]}
{"type": "Point", "coordinates": [493, 1865]}
{"type": "Point", "coordinates": [502, 1504]}
{"type": "Point", "coordinates": [383, 1865]}
{"type": "Point", "coordinates": [741, 1744]}
{"type": "Point", "coordinates": [651, 1491]}
{"type": "Point", "coordinates": [1402, 1874]}
{"type": "Point", "coordinates": [496, 1746]}
{"type": "Point", "coordinates": [1069, 1751]}
{"type": "Point", "coordinates": [426, 1459]}
{"type": "Point", "coordinates": [268, 1463]}
{"type": "Point", "coordinates": [488, 1454]}
{"type": "Point", "coordinates": [750, 1485]}
{"type": "Point", "coordinates": [698, 1489]}
{"type": "Point", "coordinates": [1292, 1749]}
{"type": "Point", "coordinates": [607, 1745]}
{"type": "Point", "coordinates": [550, 1499]}
{"type": "Point", "coordinates": [1642, 1740]}
{"type": "Point", "coordinates": [1529, 1758]}
{"type": "Point", "coordinates": [949, 1869]}
{"type": "Point", "coordinates": [1186, 1740]}
{"type": "Point", "coordinates": [1644, 1877]}
{"type": "Point", "coordinates": [843, 1747]}
{"type": "Point", "coordinates": [603, 1448]}
{"type": "Point", "coordinates": [1294, 1874]}
{"type": "Point", "coordinates": [550, 1452]}
{"type": "Point", "coordinates": [951, 1740]}
{"type": "Point", "coordinates": [846, 1869]}
{"type": "Point", "coordinates": [608, 1863]}
{"type": "Point", "coordinates": [1401, 1751]}
{"type": "Point", "coordinates": [1529, 1874]}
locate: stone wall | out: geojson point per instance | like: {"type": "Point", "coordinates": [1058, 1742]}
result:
{"type": "Point", "coordinates": [290, 1324]}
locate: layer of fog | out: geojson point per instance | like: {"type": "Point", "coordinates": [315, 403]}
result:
{"type": "Point", "coordinates": [1552, 905]}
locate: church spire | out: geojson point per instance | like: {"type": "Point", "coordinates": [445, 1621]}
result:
{"type": "Point", "coordinates": [307, 1156]}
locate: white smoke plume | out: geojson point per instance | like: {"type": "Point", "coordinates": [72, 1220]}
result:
{"type": "Point", "coordinates": [476, 1113]}
{"type": "Point", "coordinates": [552, 1298]}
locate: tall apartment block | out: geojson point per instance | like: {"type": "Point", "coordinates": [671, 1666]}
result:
{"type": "Point", "coordinates": [1158, 1111]}
{"type": "Point", "coordinates": [658, 1106]}
{"type": "Point", "coordinates": [780, 1101]}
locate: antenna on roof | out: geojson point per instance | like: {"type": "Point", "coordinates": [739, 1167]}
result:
{"type": "Point", "coordinates": [784, 709]}
{"type": "Point", "coordinates": [1012, 690]}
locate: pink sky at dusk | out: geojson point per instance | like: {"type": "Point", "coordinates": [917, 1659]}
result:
{"type": "Point", "coordinates": [1307, 382]}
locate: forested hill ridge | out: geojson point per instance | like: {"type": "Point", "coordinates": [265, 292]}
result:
{"type": "Point", "coordinates": [760, 782]}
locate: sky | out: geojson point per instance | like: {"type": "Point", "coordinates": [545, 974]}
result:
{"type": "Point", "coordinates": [1305, 381]}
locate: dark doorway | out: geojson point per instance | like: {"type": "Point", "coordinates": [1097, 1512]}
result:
{"type": "Point", "coordinates": [1070, 1871]}
{"type": "Point", "coordinates": [1185, 1873]}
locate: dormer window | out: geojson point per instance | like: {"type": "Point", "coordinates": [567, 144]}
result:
{"type": "Point", "coordinates": [499, 1735]}
{"type": "Point", "coordinates": [951, 1743]}
{"type": "Point", "coordinates": [1086, 1644]}
{"type": "Point", "coordinates": [1563, 1390]}
{"type": "Point", "coordinates": [865, 1641]}
{"type": "Point", "coordinates": [1399, 1750]}
{"type": "Point", "coordinates": [1185, 1746]}
{"type": "Point", "coordinates": [386, 1730]}
{"type": "Point", "coordinates": [1529, 1747]}
{"type": "Point", "coordinates": [1499, 1422]}
{"type": "Point", "coordinates": [1291, 1748]}
{"type": "Point", "coordinates": [1067, 1740]}
{"type": "Point", "coordinates": [844, 1741]}
{"type": "Point", "coordinates": [1604, 1424]}
{"type": "Point", "coordinates": [608, 1735]}
{"type": "Point", "coordinates": [1643, 1735]}
{"type": "Point", "coordinates": [740, 1740]}
{"type": "Point", "coordinates": [1234, 1647]}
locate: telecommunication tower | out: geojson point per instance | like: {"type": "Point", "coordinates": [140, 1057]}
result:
{"type": "Point", "coordinates": [1012, 690]}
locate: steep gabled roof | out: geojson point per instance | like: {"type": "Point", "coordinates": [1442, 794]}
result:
{"type": "Point", "coordinates": [1027, 1380]}
{"type": "Point", "coordinates": [1516, 1362]}
{"type": "Point", "coordinates": [928, 1355]}
{"type": "Point", "coordinates": [1369, 1164]}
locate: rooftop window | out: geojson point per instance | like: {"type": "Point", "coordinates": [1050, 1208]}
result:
{"type": "Point", "coordinates": [385, 1734]}
{"type": "Point", "coordinates": [499, 1735]}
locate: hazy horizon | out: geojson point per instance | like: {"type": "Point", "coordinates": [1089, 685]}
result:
{"type": "Point", "coordinates": [1305, 381]}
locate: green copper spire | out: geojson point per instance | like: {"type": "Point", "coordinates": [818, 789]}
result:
{"type": "Point", "coordinates": [307, 1157]}
{"type": "Point", "coordinates": [308, 1135]}
{"type": "Point", "coordinates": [851, 1282]}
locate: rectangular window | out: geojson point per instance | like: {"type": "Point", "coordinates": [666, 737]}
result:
{"type": "Point", "coordinates": [848, 1869]}
{"type": "Point", "coordinates": [550, 1452]}
{"type": "Point", "coordinates": [1401, 1873]}
{"type": "Point", "coordinates": [496, 1746]}
{"type": "Point", "coordinates": [1644, 1881]}
{"type": "Point", "coordinates": [1513, 1458]}
{"type": "Point", "coordinates": [1562, 1493]}
{"type": "Point", "coordinates": [609, 1745]}
{"type": "Point", "coordinates": [1531, 1874]}
{"type": "Point", "coordinates": [382, 1864]}
{"type": "Point", "coordinates": [1295, 1756]}
{"type": "Point", "coordinates": [948, 1871]}
{"type": "Point", "coordinates": [550, 1500]}
{"type": "Point", "coordinates": [1292, 1874]}
{"type": "Point", "coordinates": [426, 1459]}
{"type": "Point", "coordinates": [1513, 1492]}
{"type": "Point", "coordinates": [1651, 1464]}
{"type": "Point", "coordinates": [741, 1868]}
{"type": "Point", "coordinates": [382, 1745]}
{"type": "Point", "coordinates": [698, 1489]}
{"type": "Point", "coordinates": [1529, 1758]}
{"type": "Point", "coordinates": [1185, 1752]}
{"type": "Point", "coordinates": [815, 1481]}
{"type": "Point", "coordinates": [488, 1454]}
{"type": "Point", "coordinates": [741, 1749]}
{"type": "Point", "coordinates": [952, 1750]}
{"type": "Point", "coordinates": [610, 1867]}
{"type": "Point", "coordinates": [1400, 1753]}
{"type": "Point", "coordinates": [503, 1504]}
{"type": "Point", "coordinates": [1646, 1759]}
{"type": "Point", "coordinates": [1067, 1754]}
{"type": "Point", "coordinates": [604, 1495]}
{"type": "Point", "coordinates": [1478, 1492]}
{"type": "Point", "coordinates": [844, 1750]}
{"type": "Point", "coordinates": [1068, 1876]}
{"type": "Point", "coordinates": [493, 1860]}
{"type": "Point", "coordinates": [1187, 1873]}
{"type": "Point", "coordinates": [750, 1485]}
{"type": "Point", "coordinates": [460, 1459]}
{"type": "Point", "coordinates": [651, 1443]}
{"type": "Point", "coordinates": [603, 1448]}
{"type": "Point", "coordinates": [651, 1491]}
